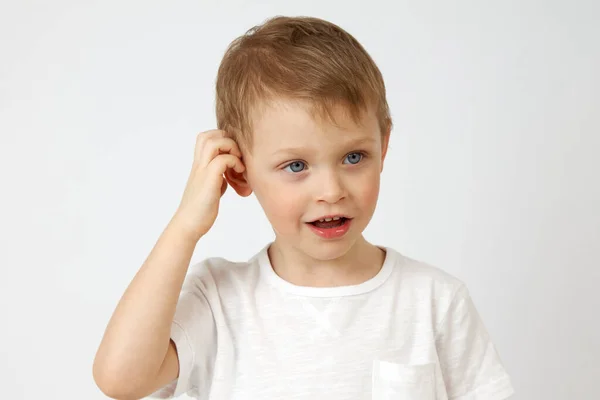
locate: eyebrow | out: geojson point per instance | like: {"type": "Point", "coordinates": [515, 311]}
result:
{"type": "Point", "coordinates": [350, 144]}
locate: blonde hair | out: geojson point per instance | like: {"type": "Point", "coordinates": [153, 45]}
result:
{"type": "Point", "coordinates": [303, 58]}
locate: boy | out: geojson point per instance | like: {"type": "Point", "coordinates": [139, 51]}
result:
{"type": "Point", "coordinates": [320, 313]}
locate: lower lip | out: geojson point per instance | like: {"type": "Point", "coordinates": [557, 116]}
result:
{"type": "Point", "coordinates": [331, 233]}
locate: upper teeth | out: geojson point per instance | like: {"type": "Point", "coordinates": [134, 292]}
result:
{"type": "Point", "coordinates": [329, 219]}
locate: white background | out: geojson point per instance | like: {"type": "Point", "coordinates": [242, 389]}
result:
{"type": "Point", "coordinates": [492, 174]}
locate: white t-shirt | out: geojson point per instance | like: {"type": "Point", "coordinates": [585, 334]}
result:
{"type": "Point", "coordinates": [410, 332]}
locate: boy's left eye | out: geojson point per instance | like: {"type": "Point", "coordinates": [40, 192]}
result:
{"type": "Point", "coordinates": [353, 158]}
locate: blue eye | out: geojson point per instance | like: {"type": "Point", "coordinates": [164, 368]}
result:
{"type": "Point", "coordinates": [353, 158]}
{"type": "Point", "coordinates": [296, 166]}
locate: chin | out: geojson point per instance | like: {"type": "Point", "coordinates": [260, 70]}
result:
{"type": "Point", "coordinates": [325, 250]}
{"type": "Point", "coordinates": [318, 248]}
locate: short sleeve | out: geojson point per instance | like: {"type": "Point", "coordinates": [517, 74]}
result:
{"type": "Point", "coordinates": [194, 334]}
{"type": "Point", "coordinates": [470, 364]}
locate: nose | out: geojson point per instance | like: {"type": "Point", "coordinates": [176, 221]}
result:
{"type": "Point", "coordinates": [330, 187]}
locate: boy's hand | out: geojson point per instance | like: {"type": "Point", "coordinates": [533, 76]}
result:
{"type": "Point", "coordinates": [213, 155]}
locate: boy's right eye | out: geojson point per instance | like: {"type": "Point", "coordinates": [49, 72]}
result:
{"type": "Point", "coordinates": [295, 167]}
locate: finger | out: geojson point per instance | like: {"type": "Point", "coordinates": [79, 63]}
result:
{"type": "Point", "coordinates": [223, 187]}
{"type": "Point", "coordinates": [214, 147]}
{"type": "Point", "coordinates": [201, 139]}
{"type": "Point", "coordinates": [222, 162]}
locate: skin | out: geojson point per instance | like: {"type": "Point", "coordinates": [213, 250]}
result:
{"type": "Point", "coordinates": [340, 166]}
{"type": "Point", "coordinates": [336, 170]}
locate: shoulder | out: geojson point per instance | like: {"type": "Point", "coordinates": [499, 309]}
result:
{"type": "Point", "coordinates": [424, 286]}
{"type": "Point", "coordinates": [218, 274]}
{"type": "Point", "coordinates": [420, 275]}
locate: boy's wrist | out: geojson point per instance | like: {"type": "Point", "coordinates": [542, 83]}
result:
{"type": "Point", "coordinates": [179, 226]}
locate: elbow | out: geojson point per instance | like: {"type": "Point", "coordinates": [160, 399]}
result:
{"type": "Point", "coordinates": [114, 384]}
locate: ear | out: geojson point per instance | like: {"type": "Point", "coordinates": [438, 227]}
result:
{"type": "Point", "coordinates": [385, 140]}
{"type": "Point", "coordinates": [238, 182]}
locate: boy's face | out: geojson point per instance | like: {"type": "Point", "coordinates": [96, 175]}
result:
{"type": "Point", "coordinates": [302, 170]}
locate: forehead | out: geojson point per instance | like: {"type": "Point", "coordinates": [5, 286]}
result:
{"type": "Point", "coordinates": [289, 123]}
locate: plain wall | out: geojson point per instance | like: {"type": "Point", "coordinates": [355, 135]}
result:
{"type": "Point", "coordinates": [492, 175]}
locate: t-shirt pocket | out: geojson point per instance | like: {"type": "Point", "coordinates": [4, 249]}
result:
{"type": "Point", "coordinates": [393, 381]}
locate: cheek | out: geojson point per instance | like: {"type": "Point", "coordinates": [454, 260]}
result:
{"type": "Point", "coordinates": [368, 190]}
{"type": "Point", "coordinates": [281, 203]}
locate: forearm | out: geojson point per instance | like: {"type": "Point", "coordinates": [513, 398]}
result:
{"type": "Point", "coordinates": [137, 336]}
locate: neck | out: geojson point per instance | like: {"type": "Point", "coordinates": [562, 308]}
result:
{"type": "Point", "coordinates": [359, 264]}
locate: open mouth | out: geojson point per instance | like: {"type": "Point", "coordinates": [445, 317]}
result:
{"type": "Point", "coordinates": [329, 223]}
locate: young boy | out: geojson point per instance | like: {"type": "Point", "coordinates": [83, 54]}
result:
{"type": "Point", "coordinates": [320, 313]}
